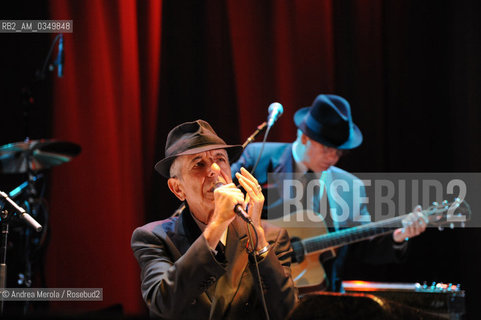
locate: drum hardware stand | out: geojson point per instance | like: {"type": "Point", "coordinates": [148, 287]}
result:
{"type": "Point", "coordinates": [29, 157]}
{"type": "Point", "coordinates": [3, 254]}
{"type": "Point", "coordinates": [5, 217]}
{"type": "Point", "coordinates": [32, 202]}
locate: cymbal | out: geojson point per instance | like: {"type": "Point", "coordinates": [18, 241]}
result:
{"type": "Point", "coordinates": [38, 154]}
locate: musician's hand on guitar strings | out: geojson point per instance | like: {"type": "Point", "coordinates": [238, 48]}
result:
{"type": "Point", "coordinates": [413, 225]}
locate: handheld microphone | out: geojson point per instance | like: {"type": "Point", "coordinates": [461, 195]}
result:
{"type": "Point", "coordinates": [23, 214]}
{"type": "Point", "coordinates": [241, 213]}
{"type": "Point", "coordinates": [275, 111]}
{"type": "Point", "coordinates": [60, 57]}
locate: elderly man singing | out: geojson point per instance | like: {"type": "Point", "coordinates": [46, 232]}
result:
{"type": "Point", "coordinates": [201, 264]}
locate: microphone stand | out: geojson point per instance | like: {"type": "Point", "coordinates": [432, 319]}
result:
{"type": "Point", "coordinates": [28, 103]}
{"type": "Point", "coordinates": [4, 215]}
{"type": "Point", "coordinates": [4, 221]}
{"type": "Point", "coordinates": [251, 138]}
{"type": "Point", "coordinates": [3, 255]}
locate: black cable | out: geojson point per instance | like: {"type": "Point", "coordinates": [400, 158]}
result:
{"type": "Point", "coordinates": [254, 244]}
{"type": "Point", "coordinates": [262, 149]}
{"type": "Point", "coordinates": [256, 263]}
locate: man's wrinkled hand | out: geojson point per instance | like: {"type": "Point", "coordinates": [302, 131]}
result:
{"type": "Point", "coordinates": [414, 224]}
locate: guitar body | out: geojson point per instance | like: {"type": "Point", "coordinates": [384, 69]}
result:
{"type": "Point", "coordinates": [310, 239]}
{"type": "Point", "coordinates": [301, 225]}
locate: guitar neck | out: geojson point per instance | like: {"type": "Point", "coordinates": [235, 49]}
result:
{"type": "Point", "coordinates": [351, 235]}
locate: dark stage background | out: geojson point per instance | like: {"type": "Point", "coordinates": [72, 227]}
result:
{"type": "Point", "coordinates": [134, 69]}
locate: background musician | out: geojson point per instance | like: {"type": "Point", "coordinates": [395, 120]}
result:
{"type": "Point", "coordinates": [325, 132]}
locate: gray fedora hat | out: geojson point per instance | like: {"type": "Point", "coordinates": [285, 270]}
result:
{"type": "Point", "coordinates": [191, 138]}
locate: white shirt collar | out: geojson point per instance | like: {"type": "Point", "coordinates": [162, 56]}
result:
{"type": "Point", "coordinates": [298, 166]}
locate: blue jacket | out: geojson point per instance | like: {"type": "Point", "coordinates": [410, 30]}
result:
{"type": "Point", "coordinates": [277, 163]}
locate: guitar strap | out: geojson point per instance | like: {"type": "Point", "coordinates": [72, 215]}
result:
{"type": "Point", "coordinates": [321, 205]}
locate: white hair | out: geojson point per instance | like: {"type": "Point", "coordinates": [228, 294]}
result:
{"type": "Point", "coordinates": [175, 168]}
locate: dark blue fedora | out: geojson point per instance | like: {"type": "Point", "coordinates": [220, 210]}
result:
{"type": "Point", "coordinates": [329, 122]}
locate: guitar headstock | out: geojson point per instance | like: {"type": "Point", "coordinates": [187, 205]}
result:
{"type": "Point", "coordinates": [455, 213]}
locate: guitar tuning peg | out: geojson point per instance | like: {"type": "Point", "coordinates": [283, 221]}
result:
{"type": "Point", "coordinates": [440, 228]}
{"type": "Point", "coordinates": [463, 224]}
{"type": "Point", "coordinates": [451, 225]}
{"type": "Point", "coordinates": [445, 202]}
{"type": "Point", "coordinates": [435, 203]}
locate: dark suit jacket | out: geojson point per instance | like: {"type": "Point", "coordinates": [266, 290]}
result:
{"type": "Point", "coordinates": [183, 279]}
{"type": "Point", "coordinates": [277, 159]}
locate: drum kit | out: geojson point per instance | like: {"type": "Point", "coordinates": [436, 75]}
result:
{"type": "Point", "coordinates": [32, 156]}
{"type": "Point", "coordinates": [25, 207]}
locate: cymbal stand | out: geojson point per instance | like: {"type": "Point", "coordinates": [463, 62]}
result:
{"type": "Point", "coordinates": [5, 217]}
{"type": "Point", "coordinates": [28, 187]}
{"type": "Point", "coordinates": [32, 204]}
{"type": "Point", "coordinates": [3, 253]}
